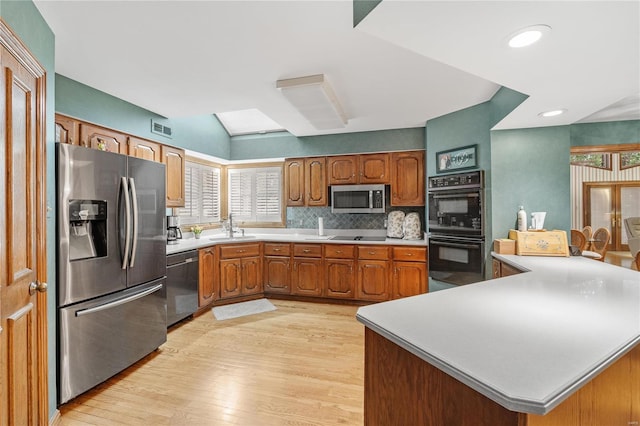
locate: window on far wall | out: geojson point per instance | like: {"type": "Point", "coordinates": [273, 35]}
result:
{"type": "Point", "coordinates": [202, 194]}
{"type": "Point", "coordinates": [629, 159]}
{"type": "Point", "coordinates": [255, 195]}
{"type": "Point", "coordinates": [599, 160]}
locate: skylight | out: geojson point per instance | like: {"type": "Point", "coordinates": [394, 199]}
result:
{"type": "Point", "coordinates": [247, 121]}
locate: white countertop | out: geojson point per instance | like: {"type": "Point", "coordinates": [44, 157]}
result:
{"type": "Point", "coordinates": [526, 341]}
{"type": "Point", "coordinates": [283, 235]}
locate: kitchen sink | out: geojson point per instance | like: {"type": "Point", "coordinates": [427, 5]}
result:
{"type": "Point", "coordinates": [223, 238]}
{"type": "Point", "coordinates": [358, 238]}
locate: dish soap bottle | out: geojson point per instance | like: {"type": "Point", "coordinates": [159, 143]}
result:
{"type": "Point", "coordinates": [522, 219]}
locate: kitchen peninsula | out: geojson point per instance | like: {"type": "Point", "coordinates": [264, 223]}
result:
{"type": "Point", "coordinates": [555, 345]}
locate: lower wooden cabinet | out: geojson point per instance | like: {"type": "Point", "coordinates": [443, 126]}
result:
{"type": "Point", "coordinates": [277, 278]}
{"type": "Point", "coordinates": [409, 271]}
{"type": "Point", "coordinates": [373, 280]}
{"type": "Point", "coordinates": [502, 269]}
{"type": "Point", "coordinates": [340, 279]}
{"type": "Point", "coordinates": [240, 270]}
{"type": "Point", "coordinates": [409, 279]}
{"type": "Point", "coordinates": [277, 268]}
{"type": "Point", "coordinates": [208, 276]}
{"type": "Point", "coordinates": [306, 276]}
{"type": "Point", "coordinates": [368, 273]}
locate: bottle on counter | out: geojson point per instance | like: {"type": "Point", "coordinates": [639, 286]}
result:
{"type": "Point", "coordinates": [320, 226]}
{"type": "Point", "coordinates": [522, 219]}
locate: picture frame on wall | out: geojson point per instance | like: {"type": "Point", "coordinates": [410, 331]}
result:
{"type": "Point", "coordinates": [462, 158]}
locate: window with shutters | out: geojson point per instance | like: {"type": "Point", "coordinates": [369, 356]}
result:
{"type": "Point", "coordinates": [255, 194]}
{"type": "Point", "coordinates": [202, 194]}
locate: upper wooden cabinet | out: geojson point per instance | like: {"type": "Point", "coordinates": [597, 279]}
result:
{"type": "Point", "coordinates": [315, 181]}
{"type": "Point", "coordinates": [173, 159]}
{"type": "Point", "coordinates": [294, 181]}
{"type": "Point", "coordinates": [147, 150]}
{"type": "Point", "coordinates": [103, 139]}
{"type": "Point", "coordinates": [353, 169]}
{"type": "Point", "coordinates": [407, 178]}
{"type": "Point", "coordinates": [306, 181]}
{"type": "Point", "coordinates": [343, 169]}
{"type": "Point", "coordinates": [67, 130]}
{"type": "Point", "coordinates": [374, 168]}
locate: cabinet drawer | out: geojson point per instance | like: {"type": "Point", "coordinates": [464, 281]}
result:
{"type": "Point", "coordinates": [277, 249]}
{"type": "Point", "coordinates": [416, 254]}
{"type": "Point", "coordinates": [232, 251]}
{"type": "Point", "coordinates": [373, 252]}
{"type": "Point", "coordinates": [338, 251]}
{"type": "Point", "coordinates": [307, 250]}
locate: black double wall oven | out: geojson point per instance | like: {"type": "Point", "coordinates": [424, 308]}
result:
{"type": "Point", "coordinates": [456, 227]}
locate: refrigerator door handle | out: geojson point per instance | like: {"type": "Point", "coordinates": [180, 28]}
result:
{"type": "Point", "coordinates": [134, 200]}
{"type": "Point", "coordinates": [127, 226]}
{"type": "Point", "coordinates": [118, 302]}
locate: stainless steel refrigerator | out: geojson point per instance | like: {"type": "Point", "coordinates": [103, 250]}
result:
{"type": "Point", "coordinates": [111, 259]}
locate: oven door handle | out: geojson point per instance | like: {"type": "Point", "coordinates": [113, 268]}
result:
{"type": "Point", "coordinates": [467, 195]}
{"type": "Point", "coordinates": [456, 245]}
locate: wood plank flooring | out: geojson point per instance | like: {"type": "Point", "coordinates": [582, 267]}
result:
{"type": "Point", "coordinates": [299, 365]}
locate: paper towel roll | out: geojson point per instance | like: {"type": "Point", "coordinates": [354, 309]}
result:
{"type": "Point", "coordinates": [320, 226]}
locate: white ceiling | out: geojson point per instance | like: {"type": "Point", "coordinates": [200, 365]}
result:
{"type": "Point", "coordinates": [407, 62]}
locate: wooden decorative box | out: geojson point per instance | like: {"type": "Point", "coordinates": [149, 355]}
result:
{"type": "Point", "coordinates": [504, 246]}
{"type": "Point", "coordinates": [542, 243]}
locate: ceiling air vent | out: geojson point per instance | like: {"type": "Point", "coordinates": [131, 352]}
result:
{"type": "Point", "coordinates": [160, 129]}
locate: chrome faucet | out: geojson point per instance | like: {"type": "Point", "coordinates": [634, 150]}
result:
{"type": "Point", "coordinates": [230, 225]}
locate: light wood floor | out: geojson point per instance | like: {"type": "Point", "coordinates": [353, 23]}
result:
{"type": "Point", "coordinates": [299, 365]}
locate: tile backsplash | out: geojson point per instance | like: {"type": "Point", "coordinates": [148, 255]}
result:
{"type": "Point", "coordinates": [307, 218]}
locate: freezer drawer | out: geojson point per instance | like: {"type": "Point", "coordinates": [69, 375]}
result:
{"type": "Point", "coordinates": [100, 338]}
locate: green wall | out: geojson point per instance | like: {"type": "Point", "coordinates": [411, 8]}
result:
{"type": "Point", "coordinates": [200, 133]}
{"type": "Point", "coordinates": [608, 133]}
{"type": "Point", "coordinates": [472, 126]}
{"type": "Point", "coordinates": [25, 20]}
{"type": "Point", "coordinates": [284, 144]}
{"type": "Point", "coordinates": [530, 167]}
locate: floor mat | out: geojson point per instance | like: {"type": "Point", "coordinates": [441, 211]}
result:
{"type": "Point", "coordinates": [242, 309]}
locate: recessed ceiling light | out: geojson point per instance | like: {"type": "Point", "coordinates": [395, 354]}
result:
{"type": "Point", "coordinates": [552, 113]}
{"type": "Point", "coordinates": [527, 36]}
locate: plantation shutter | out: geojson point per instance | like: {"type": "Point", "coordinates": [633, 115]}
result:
{"type": "Point", "coordinates": [268, 195]}
{"type": "Point", "coordinates": [241, 194]}
{"type": "Point", "coordinates": [255, 194]}
{"type": "Point", "coordinates": [210, 195]}
{"type": "Point", "coordinates": [202, 194]}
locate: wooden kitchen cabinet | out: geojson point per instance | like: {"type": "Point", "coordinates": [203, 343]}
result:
{"type": "Point", "coordinates": [67, 130]}
{"type": "Point", "coordinates": [307, 275]}
{"type": "Point", "coordinates": [97, 137]}
{"type": "Point", "coordinates": [359, 169]}
{"type": "Point", "coordinates": [409, 271]}
{"type": "Point", "coordinates": [142, 148]}
{"type": "Point", "coordinates": [374, 168]}
{"type": "Point", "coordinates": [340, 269]}
{"type": "Point", "coordinates": [373, 280]}
{"type": "Point", "coordinates": [407, 178]}
{"type": "Point", "coordinates": [208, 276]}
{"type": "Point", "coordinates": [294, 182]}
{"type": "Point", "coordinates": [277, 264]}
{"type": "Point", "coordinates": [342, 169]}
{"type": "Point", "coordinates": [174, 160]}
{"type": "Point", "coordinates": [305, 182]}
{"type": "Point", "coordinates": [502, 269]}
{"type": "Point", "coordinates": [315, 181]}
{"type": "Point", "coordinates": [240, 270]}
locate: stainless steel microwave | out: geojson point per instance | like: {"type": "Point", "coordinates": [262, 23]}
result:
{"type": "Point", "coordinates": [357, 198]}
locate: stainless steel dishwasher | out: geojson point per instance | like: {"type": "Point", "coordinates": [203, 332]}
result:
{"type": "Point", "coordinates": [182, 285]}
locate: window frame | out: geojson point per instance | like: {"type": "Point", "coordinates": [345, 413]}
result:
{"type": "Point", "coordinates": [221, 194]}
{"type": "Point", "coordinates": [281, 223]}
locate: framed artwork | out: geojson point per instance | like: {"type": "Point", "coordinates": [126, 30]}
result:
{"type": "Point", "coordinates": [457, 159]}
